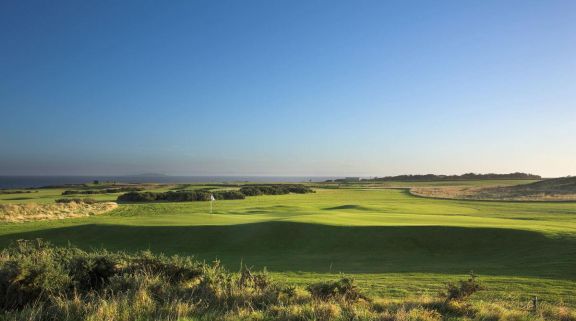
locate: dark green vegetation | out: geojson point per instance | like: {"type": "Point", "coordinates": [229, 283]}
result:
{"type": "Point", "coordinates": [103, 191]}
{"type": "Point", "coordinates": [76, 200]}
{"type": "Point", "coordinates": [17, 192]}
{"type": "Point", "coordinates": [277, 189]}
{"type": "Point", "coordinates": [39, 282]}
{"type": "Point", "coordinates": [205, 194]}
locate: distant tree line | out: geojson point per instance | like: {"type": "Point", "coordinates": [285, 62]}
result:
{"type": "Point", "coordinates": [432, 177]}
{"type": "Point", "coordinates": [275, 189]}
{"type": "Point", "coordinates": [103, 191]}
{"type": "Point", "coordinates": [17, 192]}
{"type": "Point", "coordinates": [204, 195]}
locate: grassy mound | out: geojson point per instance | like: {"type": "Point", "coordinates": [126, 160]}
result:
{"type": "Point", "coordinates": [42, 282]}
{"type": "Point", "coordinates": [557, 189]}
{"type": "Point", "coordinates": [67, 208]}
{"type": "Point", "coordinates": [563, 185]}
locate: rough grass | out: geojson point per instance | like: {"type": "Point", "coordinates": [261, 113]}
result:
{"type": "Point", "coordinates": [39, 282]}
{"type": "Point", "coordinates": [558, 189]}
{"type": "Point", "coordinates": [17, 213]}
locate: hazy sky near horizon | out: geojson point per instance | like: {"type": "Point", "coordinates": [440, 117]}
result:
{"type": "Point", "coordinates": [278, 87]}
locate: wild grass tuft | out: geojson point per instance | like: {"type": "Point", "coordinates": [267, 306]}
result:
{"type": "Point", "coordinates": [40, 282]}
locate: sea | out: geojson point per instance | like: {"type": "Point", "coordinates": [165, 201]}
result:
{"type": "Point", "coordinates": [7, 182]}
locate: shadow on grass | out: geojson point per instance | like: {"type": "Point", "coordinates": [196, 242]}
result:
{"type": "Point", "coordinates": [347, 207]}
{"type": "Point", "coordinates": [286, 246]}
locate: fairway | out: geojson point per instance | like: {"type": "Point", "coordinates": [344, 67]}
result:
{"type": "Point", "coordinates": [393, 243]}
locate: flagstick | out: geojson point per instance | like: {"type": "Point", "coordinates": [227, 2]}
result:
{"type": "Point", "coordinates": [212, 199]}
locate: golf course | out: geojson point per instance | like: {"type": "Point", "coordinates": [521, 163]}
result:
{"type": "Point", "coordinates": [394, 244]}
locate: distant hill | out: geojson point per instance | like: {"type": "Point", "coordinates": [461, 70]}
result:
{"type": "Point", "coordinates": [147, 175]}
{"type": "Point", "coordinates": [562, 185]}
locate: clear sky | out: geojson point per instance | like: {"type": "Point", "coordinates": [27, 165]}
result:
{"type": "Point", "coordinates": [278, 87]}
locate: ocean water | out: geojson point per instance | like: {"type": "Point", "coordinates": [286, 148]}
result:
{"type": "Point", "coordinates": [40, 181]}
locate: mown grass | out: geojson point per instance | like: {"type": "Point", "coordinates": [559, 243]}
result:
{"type": "Point", "coordinates": [394, 244]}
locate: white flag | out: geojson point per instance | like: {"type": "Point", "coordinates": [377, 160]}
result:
{"type": "Point", "coordinates": [212, 197]}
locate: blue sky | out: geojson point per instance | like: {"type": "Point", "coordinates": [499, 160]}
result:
{"type": "Point", "coordinates": [287, 87]}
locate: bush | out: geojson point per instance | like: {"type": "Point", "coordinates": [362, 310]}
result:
{"type": "Point", "coordinates": [103, 191]}
{"type": "Point", "coordinates": [250, 191]}
{"type": "Point", "coordinates": [28, 273]}
{"type": "Point", "coordinates": [91, 273]}
{"type": "Point", "coordinates": [463, 289]}
{"type": "Point", "coordinates": [343, 289]}
{"type": "Point", "coordinates": [229, 195]}
{"type": "Point", "coordinates": [32, 272]}
{"type": "Point", "coordinates": [17, 192]}
{"type": "Point", "coordinates": [137, 197]}
{"type": "Point", "coordinates": [204, 194]}
{"type": "Point", "coordinates": [174, 269]}
{"type": "Point", "coordinates": [77, 200]}
{"type": "Point", "coordinates": [274, 189]}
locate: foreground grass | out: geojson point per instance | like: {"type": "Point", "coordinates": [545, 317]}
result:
{"type": "Point", "coordinates": [39, 282]}
{"type": "Point", "coordinates": [394, 244]}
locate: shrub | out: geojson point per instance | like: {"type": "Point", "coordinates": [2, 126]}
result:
{"type": "Point", "coordinates": [229, 195]}
{"type": "Point", "coordinates": [463, 289]}
{"type": "Point", "coordinates": [91, 273]}
{"type": "Point", "coordinates": [16, 192]}
{"type": "Point", "coordinates": [103, 191]}
{"type": "Point", "coordinates": [204, 194]}
{"type": "Point", "coordinates": [174, 269]}
{"type": "Point", "coordinates": [137, 197]}
{"type": "Point", "coordinates": [250, 191]}
{"type": "Point", "coordinates": [274, 189]}
{"type": "Point", "coordinates": [77, 200]}
{"type": "Point", "coordinates": [343, 289]}
{"type": "Point", "coordinates": [172, 196]}
{"type": "Point", "coordinates": [28, 273]}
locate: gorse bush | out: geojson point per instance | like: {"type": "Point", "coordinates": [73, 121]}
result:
{"type": "Point", "coordinates": [204, 194]}
{"type": "Point", "coordinates": [463, 289]}
{"type": "Point", "coordinates": [17, 192]}
{"type": "Point", "coordinates": [229, 195]}
{"type": "Point", "coordinates": [32, 271]}
{"type": "Point", "coordinates": [274, 189]}
{"type": "Point", "coordinates": [40, 282]}
{"type": "Point", "coordinates": [76, 200]}
{"type": "Point", "coordinates": [138, 197]}
{"type": "Point", "coordinates": [343, 289]}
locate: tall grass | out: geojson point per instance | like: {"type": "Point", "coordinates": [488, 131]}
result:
{"type": "Point", "coordinates": [42, 282]}
{"type": "Point", "coordinates": [63, 208]}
